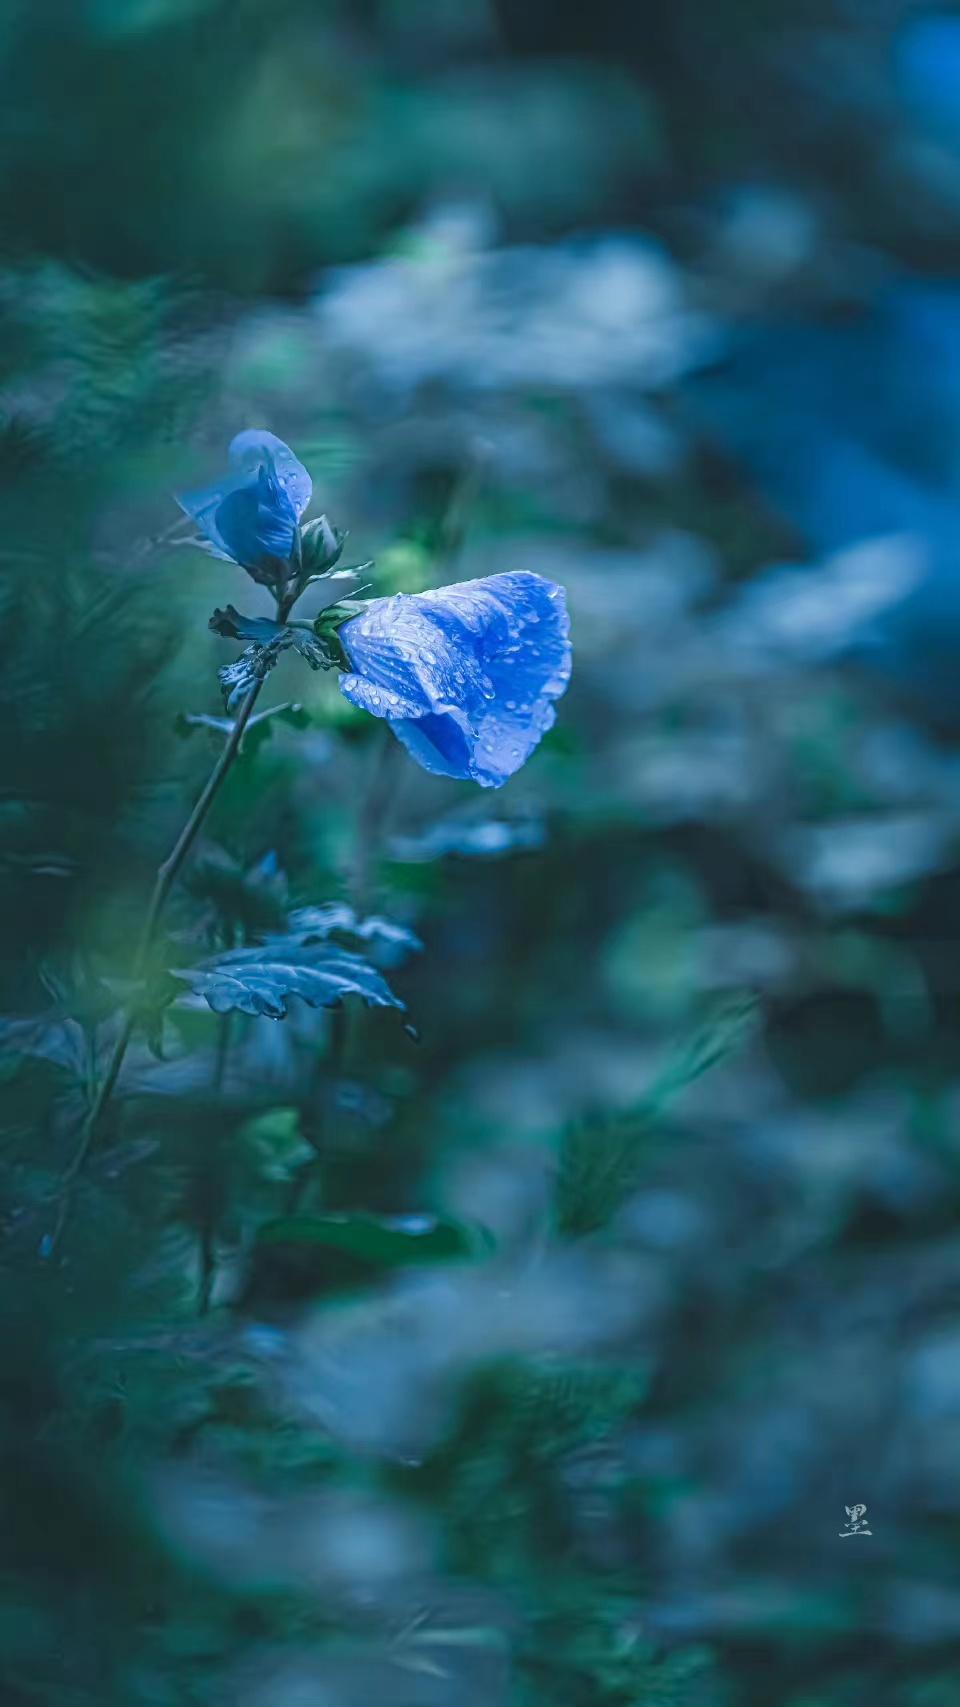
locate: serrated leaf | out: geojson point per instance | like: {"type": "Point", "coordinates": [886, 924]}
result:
{"type": "Point", "coordinates": [261, 980]}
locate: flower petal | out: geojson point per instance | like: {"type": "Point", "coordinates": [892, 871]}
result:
{"type": "Point", "coordinates": [439, 742]}
{"type": "Point", "coordinates": [379, 701]}
{"type": "Point", "coordinates": [258, 523]}
{"type": "Point", "coordinates": [251, 515]}
{"type": "Point", "coordinates": [202, 507]}
{"type": "Point", "coordinates": [256, 448]}
{"type": "Point", "coordinates": [466, 674]}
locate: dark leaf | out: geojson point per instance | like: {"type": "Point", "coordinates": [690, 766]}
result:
{"type": "Point", "coordinates": [301, 1256]}
{"type": "Point", "coordinates": [387, 1241]}
{"type": "Point", "coordinates": [261, 629]}
{"type": "Point", "coordinates": [261, 980]}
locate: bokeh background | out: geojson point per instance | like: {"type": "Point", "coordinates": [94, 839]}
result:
{"type": "Point", "coordinates": [661, 300]}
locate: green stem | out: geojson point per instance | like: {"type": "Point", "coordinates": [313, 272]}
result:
{"type": "Point", "coordinates": [166, 877]}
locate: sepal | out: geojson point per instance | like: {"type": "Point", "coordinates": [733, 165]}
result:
{"type": "Point", "coordinates": [321, 546]}
{"type": "Point", "coordinates": [268, 639]}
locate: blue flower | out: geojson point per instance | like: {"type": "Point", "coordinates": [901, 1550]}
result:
{"type": "Point", "coordinates": [466, 676]}
{"type": "Point", "coordinates": [252, 516]}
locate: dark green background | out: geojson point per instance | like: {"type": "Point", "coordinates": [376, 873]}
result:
{"type": "Point", "coordinates": [685, 1089]}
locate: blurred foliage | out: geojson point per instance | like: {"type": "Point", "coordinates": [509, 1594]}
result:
{"type": "Point", "coordinates": [531, 1358]}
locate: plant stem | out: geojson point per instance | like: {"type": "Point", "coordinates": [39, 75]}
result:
{"type": "Point", "coordinates": [167, 872]}
{"type": "Point", "coordinates": [165, 879]}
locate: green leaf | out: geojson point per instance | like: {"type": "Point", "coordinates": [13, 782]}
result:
{"type": "Point", "coordinates": [302, 1255]}
{"type": "Point", "coordinates": [260, 980]}
{"type": "Point", "coordinates": [386, 1241]}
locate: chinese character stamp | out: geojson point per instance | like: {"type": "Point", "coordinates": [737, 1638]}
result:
{"type": "Point", "coordinates": [856, 1523]}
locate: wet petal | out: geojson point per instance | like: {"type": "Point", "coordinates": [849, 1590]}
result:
{"type": "Point", "coordinates": [439, 743]}
{"type": "Point", "coordinates": [251, 516]}
{"type": "Point", "coordinates": [202, 507]}
{"type": "Point", "coordinates": [466, 674]}
{"type": "Point", "coordinates": [256, 448]}
{"type": "Point", "coordinates": [257, 522]}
